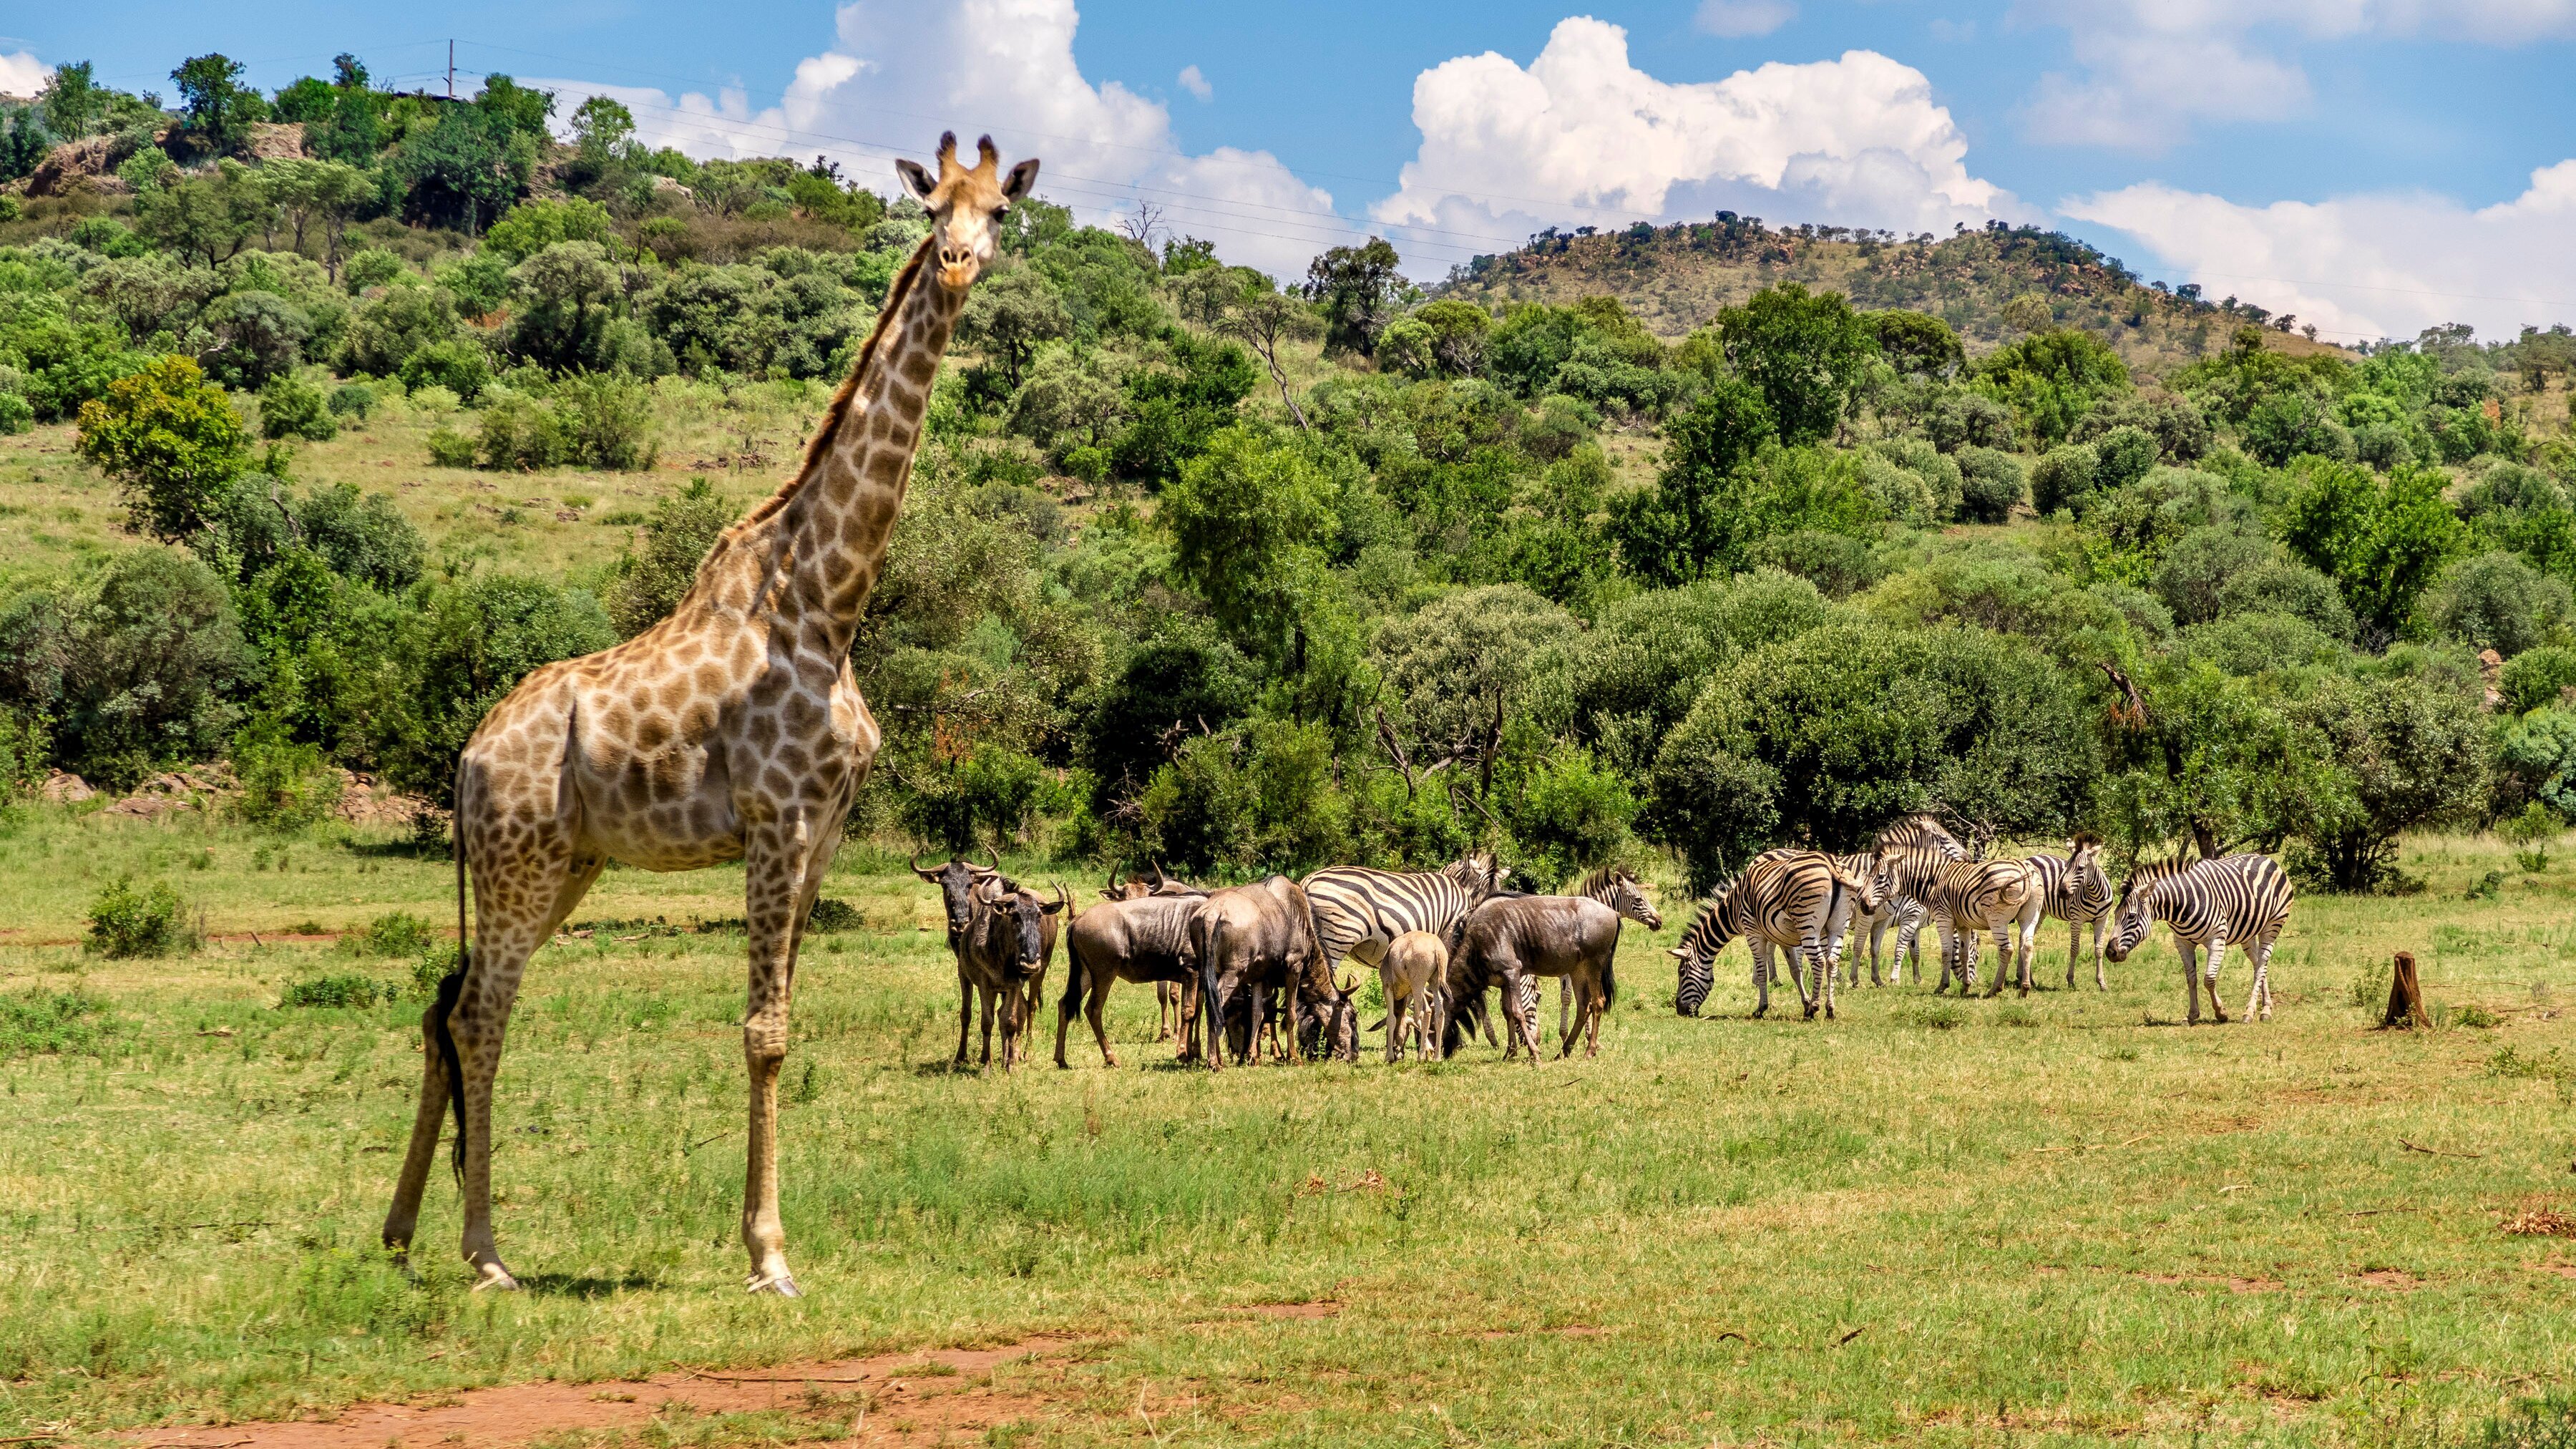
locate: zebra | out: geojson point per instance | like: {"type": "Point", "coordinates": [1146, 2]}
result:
{"type": "Point", "coordinates": [1964, 897]}
{"type": "Point", "coordinates": [2243, 899]}
{"type": "Point", "coordinates": [1614, 886]}
{"type": "Point", "coordinates": [1905, 914]}
{"type": "Point", "coordinates": [2073, 889]}
{"type": "Point", "coordinates": [1795, 899]}
{"type": "Point", "coordinates": [1359, 911]}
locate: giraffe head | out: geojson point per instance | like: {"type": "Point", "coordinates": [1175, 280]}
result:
{"type": "Point", "coordinates": [966, 205]}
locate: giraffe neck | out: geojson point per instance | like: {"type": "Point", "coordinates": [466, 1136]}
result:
{"type": "Point", "coordinates": [838, 516]}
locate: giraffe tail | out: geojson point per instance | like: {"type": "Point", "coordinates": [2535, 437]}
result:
{"type": "Point", "coordinates": [451, 988]}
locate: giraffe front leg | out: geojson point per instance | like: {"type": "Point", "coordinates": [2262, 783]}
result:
{"type": "Point", "coordinates": [782, 863]}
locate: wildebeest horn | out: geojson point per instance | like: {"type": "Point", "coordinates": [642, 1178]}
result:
{"type": "Point", "coordinates": [997, 858]}
{"type": "Point", "coordinates": [1156, 867]}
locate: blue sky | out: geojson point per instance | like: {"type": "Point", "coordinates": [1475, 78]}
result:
{"type": "Point", "coordinates": [2369, 163]}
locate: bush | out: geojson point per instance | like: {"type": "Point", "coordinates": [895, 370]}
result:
{"type": "Point", "coordinates": [126, 923]}
{"type": "Point", "coordinates": [17, 415]}
{"type": "Point", "coordinates": [25, 747]}
{"type": "Point", "coordinates": [2531, 834]}
{"type": "Point", "coordinates": [2276, 586]}
{"type": "Point", "coordinates": [353, 400]}
{"type": "Point", "coordinates": [395, 933]}
{"type": "Point", "coordinates": [607, 422]}
{"type": "Point", "coordinates": [284, 786]}
{"type": "Point", "coordinates": [520, 434]}
{"type": "Point", "coordinates": [2197, 569]}
{"type": "Point", "coordinates": [2497, 601]}
{"type": "Point", "coordinates": [991, 795]}
{"type": "Point", "coordinates": [292, 409]}
{"type": "Point", "coordinates": [1991, 483]}
{"type": "Point", "coordinates": [2123, 456]}
{"type": "Point", "coordinates": [2397, 753]}
{"type": "Point", "coordinates": [140, 671]}
{"type": "Point", "coordinates": [344, 989]}
{"type": "Point", "coordinates": [649, 584]}
{"type": "Point", "coordinates": [53, 1022]}
{"type": "Point", "coordinates": [449, 448]}
{"type": "Point", "coordinates": [2289, 425]}
{"type": "Point", "coordinates": [2062, 478]}
{"type": "Point", "coordinates": [461, 367]}
{"type": "Point", "coordinates": [2533, 679]}
{"type": "Point", "coordinates": [834, 915]}
{"type": "Point", "coordinates": [171, 439]}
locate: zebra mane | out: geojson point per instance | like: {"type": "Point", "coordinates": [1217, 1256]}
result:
{"type": "Point", "coordinates": [1696, 939]}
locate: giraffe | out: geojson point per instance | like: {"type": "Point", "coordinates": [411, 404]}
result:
{"type": "Point", "coordinates": [732, 730]}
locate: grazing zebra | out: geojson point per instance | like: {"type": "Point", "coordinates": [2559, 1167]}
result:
{"type": "Point", "coordinates": [1359, 911]}
{"type": "Point", "coordinates": [2242, 899]}
{"type": "Point", "coordinates": [1965, 897]}
{"type": "Point", "coordinates": [2073, 889]}
{"type": "Point", "coordinates": [1795, 899]}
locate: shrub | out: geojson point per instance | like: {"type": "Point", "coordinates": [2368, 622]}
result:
{"type": "Point", "coordinates": [1991, 482]}
{"type": "Point", "coordinates": [449, 448]}
{"type": "Point", "coordinates": [363, 537]}
{"type": "Point", "coordinates": [2289, 425]}
{"type": "Point", "coordinates": [127, 922]}
{"type": "Point", "coordinates": [2532, 679]}
{"type": "Point", "coordinates": [353, 400]}
{"type": "Point", "coordinates": [141, 671]}
{"type": "Point", "coordinates": [343, 989]}
{"type": "Point", "coordinates": [2123, 456]}
{"type": "Point", "coordinates": [171, 439]}
{"type": "Point", "coordinates": [53, 1022]}
{"type": "Point", "coordinates": [2277, 586]}
{"type": "Point", "coordinates": [2197, 569]}
{"type": "Point", "coordinates": [519, 433]}
{"type": "Point", "coordinates": [17, 415]}
{"type": "Point", "coordinates": [607, 422]}
{"type": "Point", "coordinates": [289, 408]}
{"type": "Point", "coordinates": [649, 583]}
{"type": "Point", "coordinates": [834, 915]}
{"type": "Point", "coordinates": [395, 933]}
{"type": "Point", "coordinates": [2497, 601]}
{"type": "Point", "coordinates": [284, 786]}
{"type": "Point", "coordinates": [2062, 478]}
{"type": "Point", "coordinates": [2396, 753]}
{"type": "Point", "coordinates": [461, 367]}
{"type": "Point", "coordinates": [2531, 834]}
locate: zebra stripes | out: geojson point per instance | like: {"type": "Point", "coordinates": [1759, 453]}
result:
{"type": "Point", "coordinates": [1797, 900]}
{"type": "Point", "coordinates": [2073, 889]}
{"type": "Point", "coordinates": [1358, 911]}
{"type": "Point", "coordinates": [2244, 899]}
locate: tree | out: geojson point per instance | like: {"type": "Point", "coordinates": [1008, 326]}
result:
{"type": "Point", "coordinates": [472, 163]}
{"type": "Point", "coordinates": [1806, 351]}
{"type": "Point", "coordinates": [1265, 317]}
{"type": "Point", "coordinates": [2051, 380]}
{"type": "Point", "coordinates": [567, 294]}
{"type": "Point", "coordinates": [1009, 313]}
{"type": "Point", "coordinates": [2197, 754]}
{"type": "Point", "coordinates": [2383, 541]}
{"type": "Point", "coordinates": [2398, 753]}
{"type": "Point", "coordinates": [219, 109]}
{"type": "Point", "coordinates": [209, 218]}
{"type": "Point", "coordinates": [72, 100]}
{"type": "Point", "coordinates": [1250, 521]}
{"type": "Point", "coordinates": [308, 192]}
{"type": "Point", "coordinates": [1690, 525]}
{"type": "Point", "coordinates": [172, 439]}
{"type": "Point", "coordinates": [603, 131]}
{"type": "Point", "coordinates": [1916, 344]}
{"type": "Point", "coordinates": [308, 100]}
{"type": "Point", "coordinates": [2498, 601]}
{"type": "Point", "coordinates": [1358, 289]}
{"type": "Point", "coordinates": [648, 584]}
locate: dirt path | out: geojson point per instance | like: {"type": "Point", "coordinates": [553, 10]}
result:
{"type": "Point", "coordinates": [896, 1399]}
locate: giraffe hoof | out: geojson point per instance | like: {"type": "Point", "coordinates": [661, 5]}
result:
{"type": "Point", "coordinates": [495, 1278]}
{"type": "Point", "coordinates": [779, 1283]}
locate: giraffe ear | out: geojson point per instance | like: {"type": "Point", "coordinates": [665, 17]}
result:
{"type": "Point", "coordinates": [915, 179]}
{"type": "Point", "coordinates": [1023, 177]}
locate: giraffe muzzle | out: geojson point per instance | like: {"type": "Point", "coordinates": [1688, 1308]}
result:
{"type": "Point", "coordinates": [957, 268]}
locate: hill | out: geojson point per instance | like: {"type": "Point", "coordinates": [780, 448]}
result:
{"type": "Point", "coordinates": [1675, 278]}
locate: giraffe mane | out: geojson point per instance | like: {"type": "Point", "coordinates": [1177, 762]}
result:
{"type": "Point", "coordinates": [899, 292]}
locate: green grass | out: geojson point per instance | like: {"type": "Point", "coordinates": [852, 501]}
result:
{"type": "Point", "coordinates": [1945, 1223]}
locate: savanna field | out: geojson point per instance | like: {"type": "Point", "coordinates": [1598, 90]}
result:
{"type": "Point", "coordinates": [2065, 1217]}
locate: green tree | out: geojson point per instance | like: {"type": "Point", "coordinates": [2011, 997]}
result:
{"type": "Point", "coordinates": [218, 109]}
{"type": "Point", "coordinates": [2399, 753]}
{"type": "Point", "coordinates": [72, 100]}
{"type": "Point", "coordinates": [1358, 289]}
{"type": "Point", "coordinates": [172, 440]}
{"type": "Point", "coordinates": [1251, 520]}
{"type": "Point", "coordinates": [1916, 344]}
{"type": "Point", "coordinates": [317, 195]}
{"type": "Point", "coordinates": [532, 226]}
{"type": "Point", "coordinates": [2382, 540]}
{"type": "Point", "coordinates": [1806, 351]}
{"type": "Point", "coordinates": [1690, 523]}
{"type": "Point", "coordinates": [2051, 380]}
{"type": "Point", "coordinates": [2202, 756]}
{"type": "Point", "coordinates": [209, 218]}
{"type": "Point", "coordinates": [650, 581]}
{"type": "Point", "coordinates": [1010, 313]}
{"type": "Point", "coordinates": [308, 100]}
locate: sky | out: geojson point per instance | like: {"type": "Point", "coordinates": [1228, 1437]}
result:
{"type": "Point", "coordinates": [2373, 166]}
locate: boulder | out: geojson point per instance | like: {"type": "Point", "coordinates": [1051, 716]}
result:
{"type": "Point", "coordinates": [63, 788]}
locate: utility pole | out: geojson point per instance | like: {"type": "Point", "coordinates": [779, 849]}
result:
{"type": "Point", "coordinates": [451, 70]}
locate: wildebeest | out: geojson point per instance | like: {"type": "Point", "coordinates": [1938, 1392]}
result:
{"type": "Point", "coordinates": [1138, 938]}
{"type": "Point", "coordinates": [1512, 939]}
{"type": "Point", "coordinates": [1415, 973]}
{"type": "Point", "coordinates": [1174, 1004]}
{"type": "Point", "coordinates": [957, 880]}
{"type": "Point", "coordinates": [1007, 944]}
{"type": "Point", "coordinates": [1248, 938]}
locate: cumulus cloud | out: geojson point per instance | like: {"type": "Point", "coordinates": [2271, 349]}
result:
{"type": "Point", "coordinates": [1581, 136]}
{"type": "Point", "coordinates": [2380, 265]}
{"type": "Point", "coordinates": [1196, 84]}
{"type": "Point", "coordinates": [22, 74]}
{"type": "Point", "coordinates": [1743, 17]}
{"type": "Point", "coordinates": [2152, 69]}
{"type": "Point", "coordinates": [897, 75]}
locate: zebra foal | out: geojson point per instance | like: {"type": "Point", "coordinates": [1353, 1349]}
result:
{"type": "Point", "coordinates": [2243, 899]}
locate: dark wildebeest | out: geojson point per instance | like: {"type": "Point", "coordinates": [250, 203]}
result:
{"type": "Point", "coordinates": [1510, 939]}
{"type": "Point", "coordinates": [1007, 946]}
{"type": "Point", "coordinates": [957, 880]}
{"type": "Point", "coordinates": [1249, 938]}
{"type": "Point", "coordinates": [1175, 1006]}
{"type": "Point", "coordinates": [1140, 938]}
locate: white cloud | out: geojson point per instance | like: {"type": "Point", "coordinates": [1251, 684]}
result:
{"type": "Point", "coordinates": [2379, 265]}
{"type": "Point", "coordinates": [22, 74]}
{"type": "Point", "coordinates": [897, 75]}
{"type": "Point", "coordinates": [1583, 137]}
{"type": "Point", "coordinates": [1743, 17]}
{"type": "Point", "coordinates": [2151, 69]}
{"type": "Point", "coordinates": [1196, 84]}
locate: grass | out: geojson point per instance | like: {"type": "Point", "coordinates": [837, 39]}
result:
{"type": "Point", "coordinates": [1948, 1223]}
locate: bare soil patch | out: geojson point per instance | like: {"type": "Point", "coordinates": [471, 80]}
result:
{"type": "Point", "coordinates": [895, 1399]}
{"type": "Point", "coordinates": [2388, 1278]}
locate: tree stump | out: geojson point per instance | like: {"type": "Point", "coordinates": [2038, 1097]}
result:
{"type": "Point", "coordinates": [2405, 997]}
